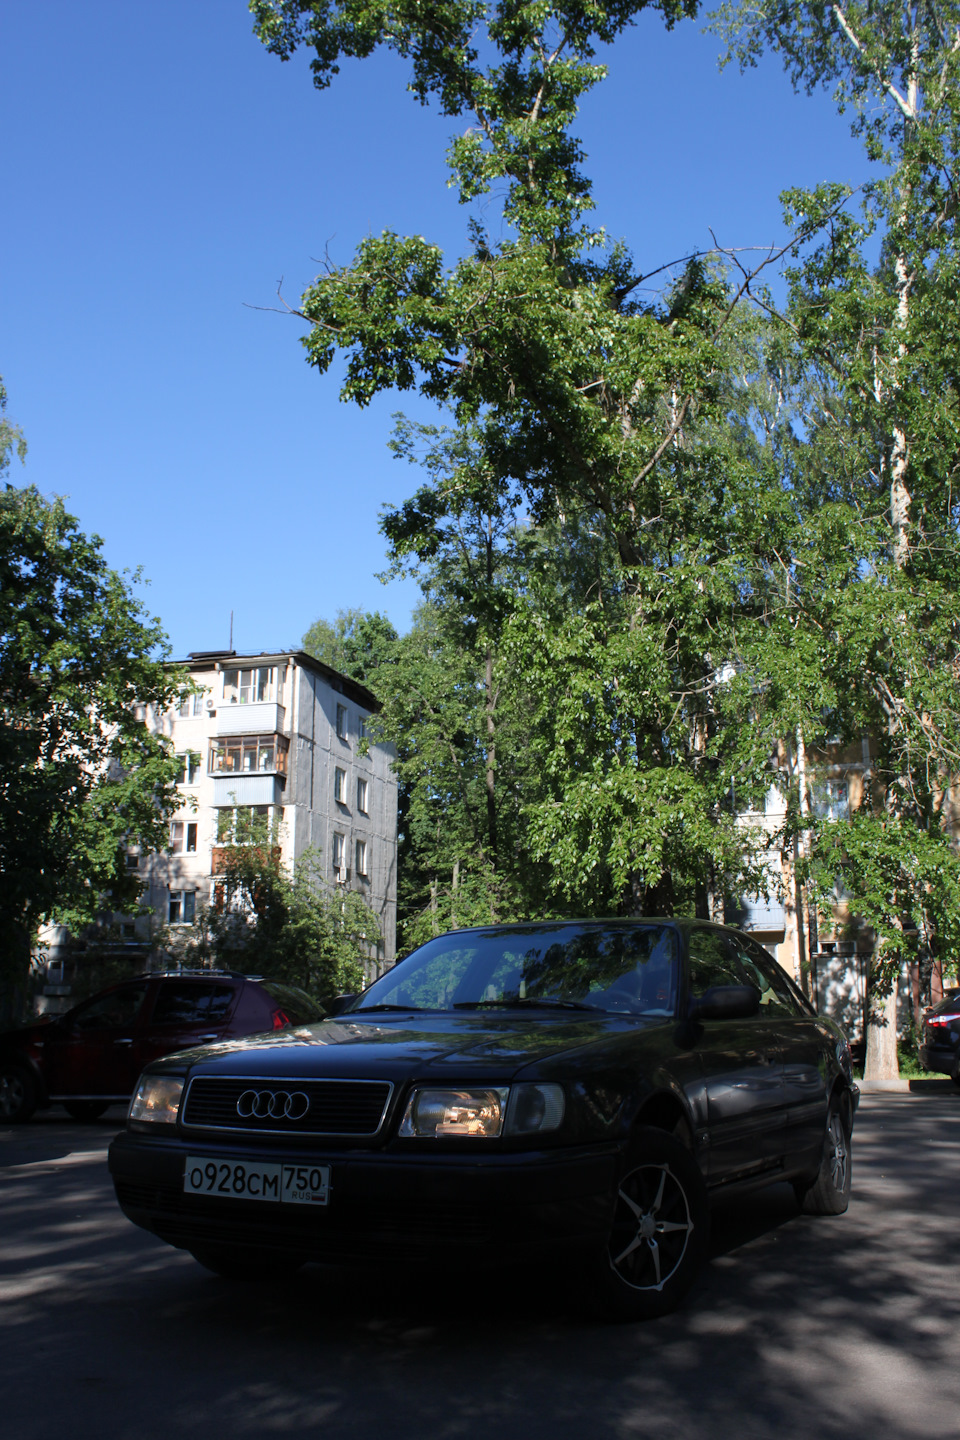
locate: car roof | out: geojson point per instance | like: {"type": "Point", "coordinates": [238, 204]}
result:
{"type": "Point", "coordinates": [681, 922]}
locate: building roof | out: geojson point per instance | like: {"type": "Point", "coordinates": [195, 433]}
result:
{"type": "Point", "coordinates": [352, 689]}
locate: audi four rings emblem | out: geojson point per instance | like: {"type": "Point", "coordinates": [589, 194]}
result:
{"type": "Point", "coordinates": [273, 1105]}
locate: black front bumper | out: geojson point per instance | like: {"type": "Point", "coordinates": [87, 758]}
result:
{"type": "Point", "coordinates": [381, 1204]}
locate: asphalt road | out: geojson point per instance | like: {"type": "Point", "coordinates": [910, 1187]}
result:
{"type": "Point", "coordinates": [830, 1328]}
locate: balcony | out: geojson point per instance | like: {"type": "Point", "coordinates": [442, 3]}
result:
{"type": "Point", "coordinates": [261, 717]}
{"type": "Point", "coordinates": [248, 755]}
{"type": "Point", "coordinates": [247, 790]}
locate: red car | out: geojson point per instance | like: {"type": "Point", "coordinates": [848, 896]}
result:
{"type": "Point", "coordinates": [92, 1056]}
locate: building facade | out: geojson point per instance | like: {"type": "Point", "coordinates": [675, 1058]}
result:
{"type": "Point", "coordinates": [281, 737]}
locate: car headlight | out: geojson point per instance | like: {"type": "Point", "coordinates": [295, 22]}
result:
{"type": "Point", "coordinates": [498, 1110]}
{"type": "Point", "coordinates": [157, 1099]}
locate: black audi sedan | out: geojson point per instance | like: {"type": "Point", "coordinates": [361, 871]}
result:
{"type": "Point", "coordinates": [578, 1088]}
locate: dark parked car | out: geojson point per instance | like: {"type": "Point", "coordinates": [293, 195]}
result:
{"type": "Point", "coordinates": [940, 1050]}
{"type": "Point", "coordinates": [582, 1088]}
{"type": "Point", "coordinates": [91, 1057]}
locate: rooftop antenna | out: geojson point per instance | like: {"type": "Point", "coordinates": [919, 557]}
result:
{"type": "Point", "coordinates": [230, 646]}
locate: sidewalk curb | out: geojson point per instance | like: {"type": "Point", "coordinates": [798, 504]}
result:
{"type": "Point", "coordinates": [916, 1086]}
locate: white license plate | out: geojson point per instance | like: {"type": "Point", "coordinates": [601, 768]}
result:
{"type": "Point", "coordinates": [242, 1180]}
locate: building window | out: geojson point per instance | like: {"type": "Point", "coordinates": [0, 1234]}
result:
{"type": "Point", "coordinates": [191, 705]}
{"type": "Point", "coordinates": [338, 849]}
{"type": "Point", "coordinates": [340, 786]}
{"type": "Point", "coordinates": [362, 789]}
{"type": "Point", "coordinates": [248, 754]}
{"type": "Point", "coordinates": [361, 727]}
{"type": "Point", "coordinates": [182, 907]}
{"type": "Point", "coordinates": [342, 722]}
{"type": "Point", "coordinates": [189, 768]}
{"type": "Point", "coordinates": [361, 857]}
{"type": "Point", "coordinates": [183, 837]}
{"type": "Point", "coordinates": [250, 687]}
{"type": "Point", "coordinates": [830, 799]}
{"type": "Point", "coordinates": [244, 824]}
{"type": "Point", "coordinates": [133, 860]}
{"type": "Point", "coordinates": [128, 932]}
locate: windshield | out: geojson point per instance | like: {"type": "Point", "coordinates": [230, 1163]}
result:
{"type": "Point", "coordinates": [631, 968]}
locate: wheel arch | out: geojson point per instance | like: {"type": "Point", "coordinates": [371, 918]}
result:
{"type": "Point", "coordinates": [665, 1110]}
{"type": "Point", "coordinates": [16, 1059]}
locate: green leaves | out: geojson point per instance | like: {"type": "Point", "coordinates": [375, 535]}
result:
{"type": "Point", "coordinates": [288, 924]}
{"type": "Point", "coordinates": [81, 775]}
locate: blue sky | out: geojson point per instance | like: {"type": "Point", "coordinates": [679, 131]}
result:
{"type": "Point", "coordinates": [163, 173]}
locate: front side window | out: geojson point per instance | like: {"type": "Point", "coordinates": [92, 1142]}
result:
{"type": "Point", "coordinates": [119, 1008]}
{"type": "Point", "coordinates": [250, 687]}
{"type": "Point", "coordinates": [713, 961]}
{"type": "Point", "coordinates": [630, 968]}
{"type": "Point", "coordinates": [760, 968]}
{"type": "Point", "coordinates": [182, 907]}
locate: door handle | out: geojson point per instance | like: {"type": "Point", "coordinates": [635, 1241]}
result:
{"type": "Point", "coordinates": [123, 1042]}
{"type": "Point", "coordinates": [205, 1039]}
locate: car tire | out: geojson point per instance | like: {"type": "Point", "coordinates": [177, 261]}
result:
{"type": "Point", "coordinates": [829, 1194]}
{"type": "Point", "coordinates": [656, 1241]}
{"type": "Point", "coordinates": [85, 1110]}
{"type": "Point", "coordinates": [18, 1094]}
{"type": "Point", "coordinates": [237, 1263]}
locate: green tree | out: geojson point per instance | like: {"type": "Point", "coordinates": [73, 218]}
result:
{"type": "Point", "coordinates": [81, 775]}
{"type": "Point", "coordinates": [356, 643]}
{"type": "Point", "coordinates": [872, 311]}
{"type": "Point", "coordinates": [767, 585]}
{"type": "Point", "coordinates": [11, 436]}
{"type": "Point", "coordinates": [288, 925]}
{"type": "Point", "coordinates": [584, 411]}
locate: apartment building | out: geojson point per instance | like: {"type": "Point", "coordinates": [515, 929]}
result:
{"type": "Point", "coordinates": [278, 736]}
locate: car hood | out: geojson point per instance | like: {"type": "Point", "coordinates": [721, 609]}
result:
{"type": "Point", "coordinates": [445, 1045]}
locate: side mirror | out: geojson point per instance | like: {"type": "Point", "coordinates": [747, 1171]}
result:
{"type": "Point", "coordinates": [338, 1004]}
{"type": "Point", "coordinates": [725, 1002]}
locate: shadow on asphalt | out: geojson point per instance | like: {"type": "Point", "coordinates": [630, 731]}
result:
{"type": "Point", "coordinates": [798, 1326]}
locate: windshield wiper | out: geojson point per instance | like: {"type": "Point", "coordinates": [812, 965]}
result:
{"type": "Point", "coordinates": [527, 1002]}
{"type": "Point", "coordinates": [365, 1009]}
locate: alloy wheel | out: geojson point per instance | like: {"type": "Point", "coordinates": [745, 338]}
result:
{"type": "Point", "coordinates": [11, 1094]}
{"type": "Point", "coordinates": [651, 1227]}
{"type": "Point", "coordinates": [837, 1153]}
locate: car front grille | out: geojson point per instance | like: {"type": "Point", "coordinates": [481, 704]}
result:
{"type": "Point", "coordinates": [354, 1108]}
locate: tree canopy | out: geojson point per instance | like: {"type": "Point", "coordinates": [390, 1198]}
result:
{"type": "Point", "coordinates": [669, 538]}
{"type": "Point", "coordinates": [81, 776]}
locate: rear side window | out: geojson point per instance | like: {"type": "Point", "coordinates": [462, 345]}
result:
{"type": "Point", "coordinates": [295, 1004]}
{"type": "Point", "coordinates": [196, 1003]}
